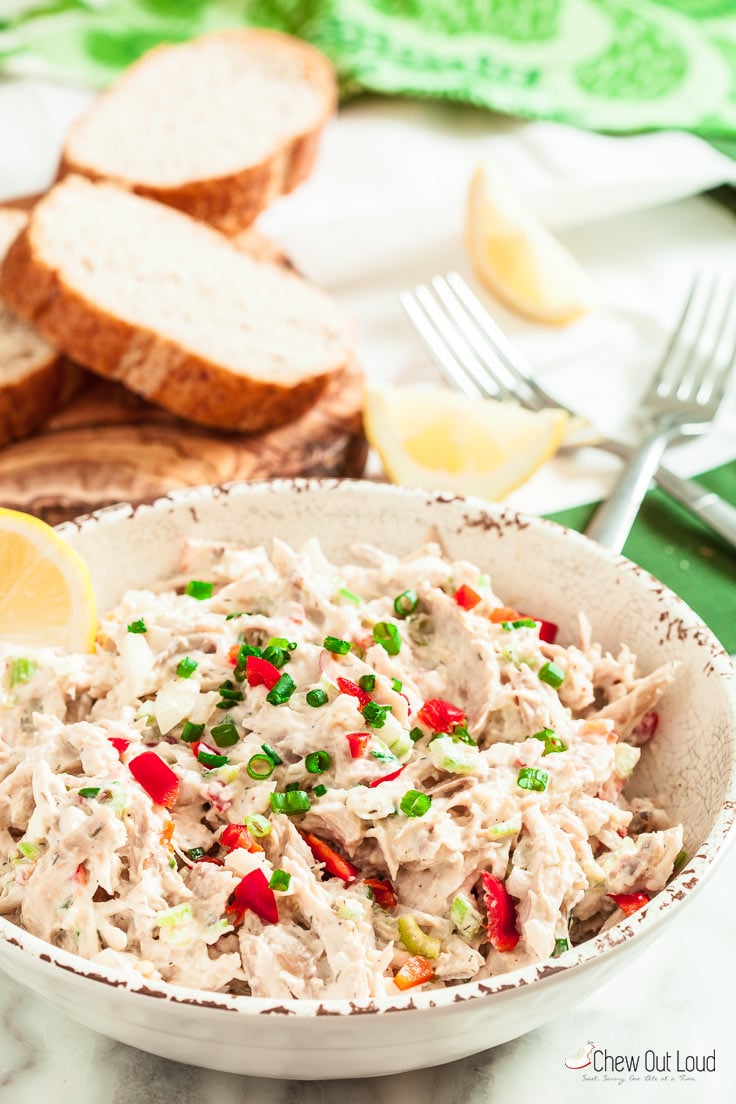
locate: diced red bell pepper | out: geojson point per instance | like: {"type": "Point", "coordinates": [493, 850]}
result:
{"type": "Point", "coordinates": [260, 672]}
{"type": "Point", "coordinates": [252, 892]}
{"type": "Point", "coordinates": [466, 597]}
{"type": "Point", "coordinates": [547, 631]}
{"type": "Point", "coordinates": [504, 613]}
{"type": "Point", "coordinates": [647, 726]}
{"type": "Point", "coordinates": [237, 835]}
{"type": "Point", "coordinates": [156, 777]}
{"type": "Point", "coordinates": [358, 743]}
{"type": "Point", "coordinates": [440, 716]}
{"type": "Point", "coordinates": [119, 743]}
{"type": "Point", "coordinates": [386, 777]}
{"type": "Point", "coordinates": [355, 691]}
{"type": "Point", "coordinates": [630, 902]}
{"type": "Point", "coordinates": [383, 892]}
{"type": "Point", "coordinates": [334, 863]}
{"type": "Point", "coordinates": [415, 971]}
{"type": "Point", "coordinates": [502, 933]}
{"type": "Point", "coordinates": [81, 875]}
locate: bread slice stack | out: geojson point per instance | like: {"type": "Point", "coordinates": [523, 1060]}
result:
{"type": "Point", "coordinates": [216, 127]}
{"type": "Point", "coordinates": [111, 273]}
{"type": "Point", "coordinates": [35, 377]}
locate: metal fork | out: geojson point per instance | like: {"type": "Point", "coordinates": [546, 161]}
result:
{"type": "Point", "coordinates": [682, 400]}
{"type": "Point", "coordinates": [476, 357]}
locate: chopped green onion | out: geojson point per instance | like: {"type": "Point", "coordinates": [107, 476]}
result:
{"type": "Point", "coordinates": [210, 759]}
{"type": "Point", "coordinates": [291, 786]}
{"type": "Point", "coordinates": [524, 623]}
{"type": "Point", "coordinates": [225, 734]}
{"type": "Point", "coordinates": [186, 667]}
{"type": "Point", "coordinates": [195, 853]}
{"type": "Point", "coordinates": [260, 767]}
{"type": "Point", "coordinates": [551, 742]}
{"type": "Point", "coordinates": [248, 650]}
{"type": "Point", "coordinates": [460, 732]}
{"type": "Point", "coordinates": [280, 879]}
{"type": "Point", "coordinates": [561, 945]}
{"type": "Point", "coordinates": [336, 646]}
{"type": "Point", "coordinates": [552, 675]}
{"type": "Point", "coordinates": [230, 616]}
{"type": "Point", "coordinates": [530, 778]}
{"type": "Point", "coordinates": [317, 762]}
{"type": "Point", "coordinates": [405, 603]}
{"type": "Point", "coordinates": [282, 642]}
{"type": "Point", "coordinates": [349, 596]}
{"type": "Point", "coordinates": [415, 734]}
{"type": "Point", "coordinates": [278, 656]}
{"type": "Point", "coordinates": [224, 704]}
{"type": "Point", "coordinates": [397, 685]}
{"type": "Point", "coordinates": [388, 636]}
{"type": "Point", "coordinates": [414, 803]}
{"type": "Point", "coordinates": [375, 714]}
{"type": "Point", "coordinates": [291, 802]}
{"type": "Point", "coordinates": [29, 850]}
{"type": "Point", "coordinates": [191, 732]}
{"type": "Point", "coordinates": [382, 753]}
{"type": "Point", "coordinates": [138, 626]}
{"type": "Point", "coordinates": [367, 683]}
{"type": "Point", "coordinates": [320, 790]}
{"type": "Point", "coordinates": [230, 693]}
{"type": "Point", "coordinates": [89, 791]}
{"type": "Point", "coordinates": [677, 866]}
{"type": "Point", "coordinates": [316, 697]}
{"type": "Point", "coordinates": [257, 825]}
{"type": "Point", "coordinates": [272, 755]}
{"type": "Point", "coordinates": [282, 691]}
{"type": "Point", "coordinates": [195, 588]}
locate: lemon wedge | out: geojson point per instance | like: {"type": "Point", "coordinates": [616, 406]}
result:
{"type": "Point", "coordinates": [440, 439]}
{"type": "Point", "coordinates": [46, 596]}
{"type": "Point", "coordinates": [517, 258]}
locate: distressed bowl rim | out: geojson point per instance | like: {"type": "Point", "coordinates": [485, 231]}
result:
{"type": "Point", "coordinates": [697, 870]}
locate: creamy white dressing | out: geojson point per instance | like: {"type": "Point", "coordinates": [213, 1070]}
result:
{"type": "Point", "coordinates": [89, 861]}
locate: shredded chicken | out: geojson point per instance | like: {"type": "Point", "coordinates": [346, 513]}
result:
{"type": "Point", "coordinates": [393, 752]}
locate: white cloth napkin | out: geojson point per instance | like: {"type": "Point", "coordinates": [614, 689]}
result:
{"type": "Point", "coordinates": [384, 210]}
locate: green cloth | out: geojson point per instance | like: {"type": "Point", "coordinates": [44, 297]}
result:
{"type": "Point", "coordinates": [617, 65]}
{"type": "Point", "coordinates": [681, 552]}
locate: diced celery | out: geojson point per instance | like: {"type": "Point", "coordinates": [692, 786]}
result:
{"type": "Point", "coordinates": [29, 851]}
{"type": "Point", "coordinates": [625, 758]}
{"type": "Point", "coordinates": [226, 774]}
{"type": "Point", "coordinates": [503, 829]}
{"type": "Point", "coordinates": [381, 752]}
{"type": "Point", "coordinates": [457, 758]}
{"type": "Point", "coordinates": [417, 941]}
{"type": "Point", "coordinates": [349, 909]}
{"type": "Point", "coordinates": [22, 670]}
{"type": "Point", "coordinates": [465, 917]}
{"type": "Point", "coordinates": [169, 917]}
{"type": "Point", "coordinates": [115, 796]}
{"type": "Point", "coordinates": [396, 737]}
{"type": "Point", "coordinates": [214, 931]}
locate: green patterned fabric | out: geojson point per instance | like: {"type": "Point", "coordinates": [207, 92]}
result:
{"type": "Point", "coordinates": [617, 65]}
{"type": "Point", "coordinates": [682, 552]}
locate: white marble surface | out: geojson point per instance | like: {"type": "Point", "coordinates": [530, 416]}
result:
{"type": "Point", "coordinates": [390, 185]}
{"type": "Point", "coordinates": [680, 996]}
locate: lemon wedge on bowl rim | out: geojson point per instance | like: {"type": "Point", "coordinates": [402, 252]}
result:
{"type": "Point", "coordinates": [440, 439]}
{"type": "Point", "coordinates": [46, 596]}
{"type": "Point", "coordinates": [517, 258]}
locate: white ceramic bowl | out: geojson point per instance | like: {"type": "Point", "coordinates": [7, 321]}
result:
{"type": "Point", "coordinates": [535, 565]}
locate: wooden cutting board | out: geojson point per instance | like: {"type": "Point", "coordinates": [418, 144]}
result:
{"type": "Point", "coordinates": [108, 445]}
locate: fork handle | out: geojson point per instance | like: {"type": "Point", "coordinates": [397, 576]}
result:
{"type": "Point", "coordinates": [614, 518]}
{"type": "Point", "coordinates": [706, 505]}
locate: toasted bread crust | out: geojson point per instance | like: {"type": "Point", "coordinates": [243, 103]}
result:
{"type": "Point", "coordinates": [232, 202]}
{"type": "Point", "coordinates": [25, 404]}
{"type": "Point", "coordinates": [150, 364]}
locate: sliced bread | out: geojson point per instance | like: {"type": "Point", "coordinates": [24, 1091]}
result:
{"type": "Point", "coordinates": [142, 293]}
{"type": "Point", "coordinates": [217, 126]}
{"type": "Point", "coordinates": [34, 376]}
